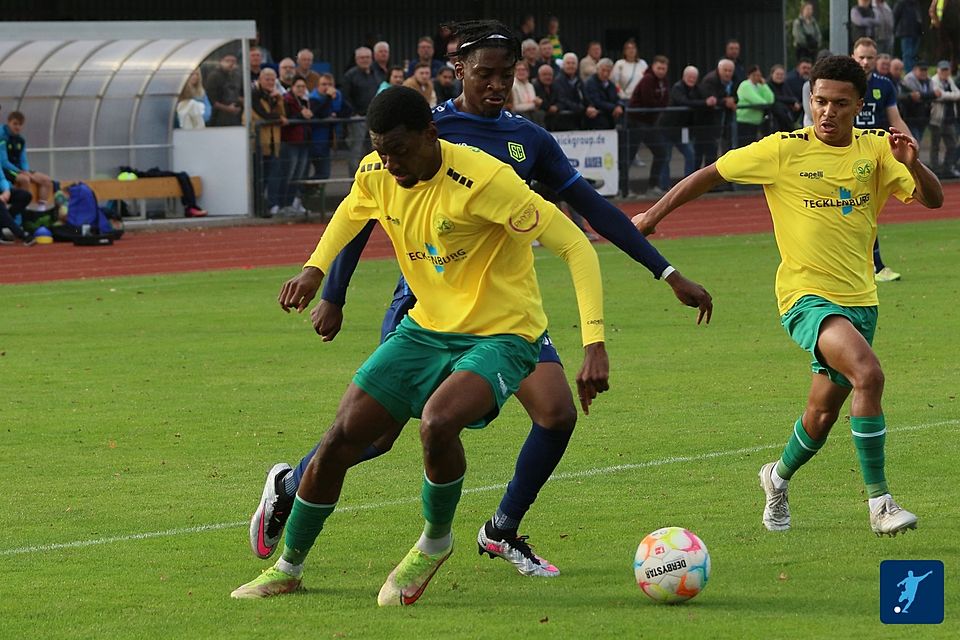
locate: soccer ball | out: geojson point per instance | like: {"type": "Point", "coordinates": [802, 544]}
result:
{"type": "Point", "coordinates": [672, 565]}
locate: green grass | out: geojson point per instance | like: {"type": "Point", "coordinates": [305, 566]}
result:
{"type": "Point", "coordinates": [154, 404]}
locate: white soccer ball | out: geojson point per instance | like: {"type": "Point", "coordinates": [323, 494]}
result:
{"type": "Point", "coordinates": [672, 565]}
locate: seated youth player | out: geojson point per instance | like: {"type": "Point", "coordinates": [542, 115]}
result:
{"type": "Point", "coordinates": [16, 167]}
{"type": "Point", "coordinates": [485, 62]}
{"type": "Point", "coordinates": [461, 223]}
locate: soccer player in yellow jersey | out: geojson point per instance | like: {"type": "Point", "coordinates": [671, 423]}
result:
{"type": "Point", "coordinates": [461, 223]}
{"type": "Point", "coordinates": [825, 186]}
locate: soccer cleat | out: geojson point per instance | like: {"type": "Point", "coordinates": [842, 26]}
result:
{"type": "Point", "coordinates": [886, 275]}
{"type": "Point", "coordinates": [776, 512]}
{"type": "Point", "coordinates": [888, 518]}
{"type": "Point", "coordinates": [272, 582]}
{"type": "Point", "coordinates": [409, 579]}
{"type": "Point", "coordinates": [266, 525]}
{"type": "Point", "coordinates": [517, 552]}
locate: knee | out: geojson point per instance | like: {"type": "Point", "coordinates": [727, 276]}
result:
{"type": "Point", "coordinates": [559, 416]}
{"type": "Point", "coordinates": [869, 379]}
{"type": "Point", "coordinates": [437, 431]}
{"type": "Point", "coordinates": [818, 421]}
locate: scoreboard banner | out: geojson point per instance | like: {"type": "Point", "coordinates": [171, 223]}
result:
{"type": "Point", "coordinates": [593, 154]}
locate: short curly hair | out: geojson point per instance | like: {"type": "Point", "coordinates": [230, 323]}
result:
{"type": "Point", "coordinates": [398, 106]}
{"type": "Point", "coordinates": [841, 69]}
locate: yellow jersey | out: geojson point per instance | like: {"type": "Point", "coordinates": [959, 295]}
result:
{"type": "Point", "coordinates": [824, 202]}
{"type": "Point", "coordinates": [462, 239]}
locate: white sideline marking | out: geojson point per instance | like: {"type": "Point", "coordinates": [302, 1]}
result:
{"type": "Point", "coordinates": [570, 475]}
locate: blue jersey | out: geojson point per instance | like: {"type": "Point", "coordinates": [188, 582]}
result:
{"type": "Point", "coordinates": [532, 152]}
{"type": "Point", "coordinates": [881, 94]}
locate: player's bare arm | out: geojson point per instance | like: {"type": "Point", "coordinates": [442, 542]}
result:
{"type": "Point", "coordinates": [692, 294]}
{"type": "Point", "coordinates": [297, 292]}
{"type": "Point", "coordinates": [928, 191]}
{"type": "Point", "coordinates": [690, 188]}
{"type": "Point", "coordinates": [594, 375]}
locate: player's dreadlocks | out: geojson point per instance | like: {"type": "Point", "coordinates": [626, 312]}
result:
{"type": "Point", "coordinates": [474, 35]}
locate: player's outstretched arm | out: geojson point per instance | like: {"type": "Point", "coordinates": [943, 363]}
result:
{"type": "Point", "coordinates": [612, 224]}
{"type": "Point", "coordinates": [690, 188]}
{"type": "Point", "coordinates": [928, 190]}
{"type": "Point", "coordinates": [564, 239]}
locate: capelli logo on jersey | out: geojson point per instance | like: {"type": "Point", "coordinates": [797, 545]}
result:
{"type": "Point", "coordinates": [391, 219]}
{"type": "Point", "coordinates": [812, 175]}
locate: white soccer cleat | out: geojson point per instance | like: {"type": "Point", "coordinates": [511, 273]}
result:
{"type": "Point", "coordinates": [776, 512]}
{"type": "Point", "coordinates": [888, 518]}
{"type": "Point", "coordinates": [266, 525]}
{"type": "Point", "coordinates": [517, 552]}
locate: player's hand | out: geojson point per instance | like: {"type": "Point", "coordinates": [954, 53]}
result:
{"type": "Point", "coordinates": [693, 295]}
{"type": "Point", "coordinates": [645, 223]}
{"type": "Point", "coordinates": [594, 375]}
{"type": "Point", "coordinates": [297, 292]}
{"type": "Point", "coordinates": [903, 147]}
{"type": "Point", "coordinates": [5, 196]}
{"type": "Point", "coordinates": [327, 319]}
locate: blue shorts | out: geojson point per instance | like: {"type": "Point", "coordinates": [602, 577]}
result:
{"type": "Point", "coordinates": [403, 301]}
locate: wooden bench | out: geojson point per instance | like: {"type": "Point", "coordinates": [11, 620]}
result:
{"type": "Point", "coordinates": [140, 189]}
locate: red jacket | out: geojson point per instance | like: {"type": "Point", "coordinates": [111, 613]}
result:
{"type": "Point", "coordinates": [651, 92]}
{"type": "Point", "coordinates": [295, 133]}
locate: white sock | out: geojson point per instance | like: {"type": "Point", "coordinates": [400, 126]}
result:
{"type": "Point", "coordinates": [290, 569]}
{"type": "Point", "coordinates": [778, 482]}
{"type": "Point", "coordinates": [41, 205]}
{"type": "Point", "coordinates": [433, 546]}
{"type": "Point", "coordinates": [875, 501]}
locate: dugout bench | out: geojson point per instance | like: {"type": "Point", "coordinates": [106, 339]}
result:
{"type": "Point", "coordinates": [141, 190]}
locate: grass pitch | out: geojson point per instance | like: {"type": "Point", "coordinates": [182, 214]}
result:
{"type": "Point", "coordinates": [139, 416]}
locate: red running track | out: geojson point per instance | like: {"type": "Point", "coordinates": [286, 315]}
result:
{"type": "Point", "coordinates": [247, 247]}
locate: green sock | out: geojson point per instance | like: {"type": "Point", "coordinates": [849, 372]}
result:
{"type": "Point", "coordinates": [869, 435]}
{"type": "Point", "coordinates": [439, 505]}
{"type": "Point", "coordinates": [304, 525]}
{"type": "Point", "coordinates": [800, 448]}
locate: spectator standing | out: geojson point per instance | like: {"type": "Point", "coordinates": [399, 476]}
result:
{"type": "Point", "coordinates": [908, 29]}
{"type": "Point", "coordinates": [731, 51]}
{"type": "Point", "coordinates": [719, 84]}
{"type": "Point", "coordinates": [798, 75]}
{"type": "Point", "coordinates": [523, 96]}
{"type": "Point", "coordinates": [545, 47]}
{"type": "Point", "coordinates": [884, 29]}
{"type": "Point", "coordinates": [943, 122]}
{"type": "Point", "coordinates": [16, 166]}
{"type": "Point", "coordinates": [752, 92]}
{"type": "Point", "coordinates": [806, 34]}
{"type": "Point", "coordinates": [896, 71]}
{"type": "Point", "coordinates": [601, 94]}
{"type": "Point", "coordinates": [295, 145]}
{"type": "Point", "coordinates": [570, 98]}
{"type": "Point", "coordinates": [326, 101]}
{"type": "Point", "coordinates": [381, 61]}
{"type": "Point", "coordinates": [268, 112]}
{"type": "Point", "coordinates": [945, 18]}
{"type": "Point", "coordinates": [530, 52]}
{"type": "Point", "coordinates": [548, 97]}
{"type": "Point", "coordinates": [286, 72]}
{"type": "Point", "coordinates": [193, 107]}
{"type": "Point", "coordinates": [588, 65]}
{"type": "Point", "coordinates": [685, 93]}
{"type": "Point", "coordinates": [256, 64]}
{"type": "Point", "coordinates": [653, 92]}
{"type": "Point", "coordinates": [305, 69]}
{"type": "Point", "coordinates": [420, 80]}
{"type": "Point", "coordinates": [883, 65]}
{"type": "Point", "coordinates": [628, 70]}
{"type": "Point", "coordinates": [445, 87]}
{"type": "Point", "coordinates": [395, 79]}
{"type": "Point", "coordinates": [786, 106]}
{"type": "Point", "coordinates": [224, 89]}
{"type": "Point", "coordinates": [425, 56]}
{"type": "Point", "coordinates": [863, 20]}
{"type": "Point", "coordinates": [359, 86]}
{"type": "Point", "coordinates": [553, 35]}
{"type": "Point", "coordinates": [527, 29]}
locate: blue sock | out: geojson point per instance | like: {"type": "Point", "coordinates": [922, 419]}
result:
{"type": "Point", "coordinates": [538, 458]}
{"type": "Point", "coordinates": [292, 480]}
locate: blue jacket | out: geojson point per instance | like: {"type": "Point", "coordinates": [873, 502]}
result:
{"type": "Point", "coordinates": [19, 162]}
{"type": "Point", "coordinates": [323, 106]}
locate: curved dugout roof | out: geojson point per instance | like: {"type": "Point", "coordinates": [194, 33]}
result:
{"type": "Point", "coordinates": [97, 95]}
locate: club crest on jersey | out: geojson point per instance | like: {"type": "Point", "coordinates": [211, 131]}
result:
{"type": "Point", "coordinates": [526, 220]}
{"type": "Point", "coordinates": [862, 170]}
{"type": "Point", "coordinates": [442, 225]}
{"type": "Point", "coordinates": [516, 151]}
{"type": "Point", "coordinates": [877, 94]}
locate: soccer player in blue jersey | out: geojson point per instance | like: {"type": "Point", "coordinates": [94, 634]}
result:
{"type": "Point", "coordinates": [879, 112]}
{"type": "Point", "coordinates": [485, 61]}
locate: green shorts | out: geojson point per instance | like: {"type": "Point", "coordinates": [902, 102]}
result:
{"type": "Point", "coordinates": [412, 362]}
{"type": "Point", "coordinates": [803, 322]}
